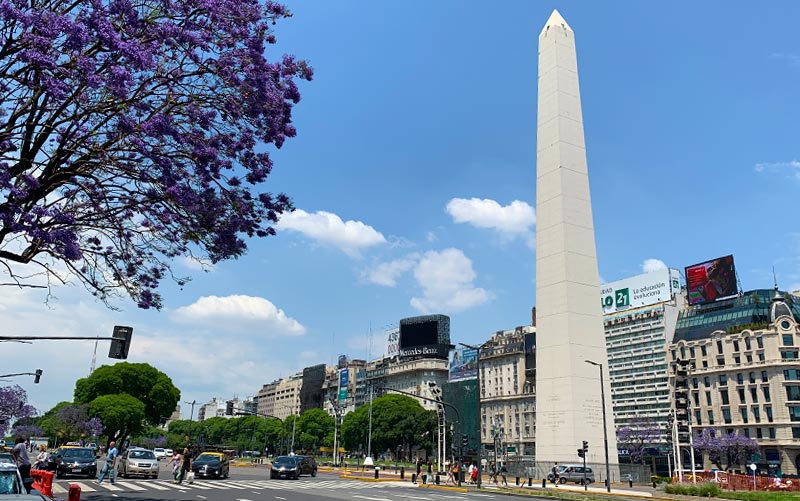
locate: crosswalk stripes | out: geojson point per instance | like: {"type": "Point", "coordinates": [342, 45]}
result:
{"type": "Point", "coordinates": [60, 488]}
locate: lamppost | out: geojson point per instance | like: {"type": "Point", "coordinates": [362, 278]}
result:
{"type": "Point", "coordinates": [605, 425]}
{"type": "Point", "coordinates": [191, 416]}
{"type": "Point", "coordinates": [478, 385]}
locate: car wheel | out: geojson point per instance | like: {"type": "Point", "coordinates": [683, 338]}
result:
{"type": "Point", "coordinates": [562, 480]}
{"type": "Point", "coordinates": [297, 476]}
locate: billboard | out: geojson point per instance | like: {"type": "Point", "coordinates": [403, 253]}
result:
{"type": "Point", "coordinates": [463, 364]}
{"type": "Point", "coordinates": [424, 331]}
{"type": "Point", "coordinates": [711, 281]}
{"type": "Point", "coordinates": [344, 383]}
{"type": "Point", "coordinates": [392, 343]}
{"type": "Point", "coordinates": [642, 290]}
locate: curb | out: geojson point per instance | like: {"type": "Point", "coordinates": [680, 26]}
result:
{"type": "Point", "coordinates": [443, 487]}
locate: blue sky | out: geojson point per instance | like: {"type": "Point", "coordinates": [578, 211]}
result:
{"type": "Point", "coordinates": [414, 178]}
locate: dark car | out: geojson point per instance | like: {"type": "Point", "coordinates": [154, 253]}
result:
{"type": "Point", "coordinates": [75, 461]}
{"type": "Point", "coordinates": [211, 464]}
{"type": "Point", "coordinates": [293, 467]}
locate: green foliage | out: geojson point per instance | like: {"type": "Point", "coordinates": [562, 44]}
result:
{"type": "Point", "coordinates": [707, 489]}
{"type": "Point", "coordinates": [122, 415]}
{"type": "Point", "coordinates": [315, 427]}
{"type": "Point", "coordinates": [141, 381]}
{"type": "Point", "coordinates": [760, 496]}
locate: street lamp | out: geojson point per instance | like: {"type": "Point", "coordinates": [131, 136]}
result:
{"type": "Point", "coordinates": [605, 425]}
{"type": "Point", "coordinates": [478, 383]}
{"type": "Point", "coordinates": [191, 416]}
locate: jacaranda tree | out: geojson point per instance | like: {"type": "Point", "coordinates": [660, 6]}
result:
{"type": "Point", "coordinates": [13, 406]}
{"type": "Point", "coordinates": [136, 131]}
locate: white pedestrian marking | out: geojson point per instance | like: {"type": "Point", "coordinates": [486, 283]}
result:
{"type": "Point", "coordinates": [57, 489]}
{"type": "Point", "coordinates": [278, 497]}
{"type": "Point", "coordinates": [156, 486]}
{"type": "Point", "coordinates": [108, 487]}
{"type": "Point", "coordinates": [212, 485]}
{"type": "Point", "coordinates": [371, 499]}
{"type": "Point", "coordinates": [130, 485]}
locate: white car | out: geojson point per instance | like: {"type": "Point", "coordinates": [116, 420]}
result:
{"type": "Point", "coordinates": [160, 452]}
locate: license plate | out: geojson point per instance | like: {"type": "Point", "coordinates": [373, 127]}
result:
{"type": "Point", "coordinates": [76, 470]}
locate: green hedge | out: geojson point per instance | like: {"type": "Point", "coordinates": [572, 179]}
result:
{"type": "Point", "coordinates": [707, 489]}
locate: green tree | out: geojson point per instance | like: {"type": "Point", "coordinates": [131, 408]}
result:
{"type": "Point", "coordinates": [398, 421]}
{"type": "Point", "coordinates": [122, 415]}
{"type": "Point", "coordinates": [315, 428]}
{"type": "Point", "coordinates": [151, 387]}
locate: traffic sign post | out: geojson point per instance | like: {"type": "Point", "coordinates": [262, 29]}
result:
{"type": "Point", "coordinates": [753, 467]}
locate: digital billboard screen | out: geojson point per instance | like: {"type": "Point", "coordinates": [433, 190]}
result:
{"type": "Point", "coordinates": [419, 334]}
{"type": "Point", "coordinates": [711, 280]}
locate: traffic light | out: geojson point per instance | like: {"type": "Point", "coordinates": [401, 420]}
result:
{"type": "Point", "coordinates": [120, 342]}
{"type": "Point", "coordinates": [37, 376]}
{"type": "Point", "coordinates": [229, 408]}
{"type": "Point", "coordinates": [464, 440]}
{"type": "Point", "coordinates": [581, 453]}
{"type": "Point", "coordinates": [585, 446]}
{"type": "Point", "coordinates": [583, 450]}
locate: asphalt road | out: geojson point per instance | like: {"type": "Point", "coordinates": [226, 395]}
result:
{"type": "Point", "coordinates": [254, 484]}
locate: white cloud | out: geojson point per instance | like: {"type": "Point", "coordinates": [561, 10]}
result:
{"type": "Point", "coordinates": [386, 274]}
{"type": "Point", "coordinates": [239, 313]}
{"type": "Point", "coordinates": [793, 59]}
{"type": "Point", "coordinates": [792, 165]}
{"type": "Point", "coordinates": [431, 237]}
{"type": "Point", "coordinates": [651, 265]}
{"type": "Point", "coordinates": [446, 279]}
{"type": "Point", "coordinates": [513, 220]}
{"type": "Point", "coordinates": [348, 236]}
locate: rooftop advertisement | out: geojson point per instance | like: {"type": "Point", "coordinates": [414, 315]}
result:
{"type": "Point", "coordinates": [392, 343]}
{"type": "Point", "coordinates": [711, 281]}
{"type": "Point", "coordinates": [463, 364]}
{"type": "Point", "coordinates": [642, 290]}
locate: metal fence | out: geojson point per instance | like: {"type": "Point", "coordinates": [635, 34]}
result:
{"type": "Point", "coordinates": [529, 468]}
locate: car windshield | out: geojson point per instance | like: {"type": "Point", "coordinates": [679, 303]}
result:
{"type": "Point", "coordinates": [6, 457]}
{"type": "Point", "coordinates": [8, 482]}
{"type": "Point", "coordinates": [142, 455]}
{"type": "Point", "coordinates": [207, 458]}
{"type": "Point", "coordinates": [78, 454]}
{"type": "Point", "coordinates": [285, 460]}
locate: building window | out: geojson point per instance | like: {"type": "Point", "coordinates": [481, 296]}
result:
{"type": "Point", "coordinates": [793, 393]}
{"type": "Point", "coordinates": [767, 396]}
{"type": "Point", "coordinates": [674, 355]}
{"type": "Point", "coordinates": [760, 343]}
{"type": "Point", "coordinates": [705, 364]}
{"type": "Point", "coordinates": [703, 350]}
{"type": "Point", "coordinates": [737, 360]}
{"type": "Point", "coordinates": [707, 381]}
{"type": "Point", "coordinates": [752, 377]}
{"type": "Point", "coordinates": [743, 411]}
{"type": "Point", "coordinates": [740, 391]}
{"type": "Point", "coordinates": [764, 377]}
{"type": "Point", "coordinates": [788, 340]}
{"type": "Point", "coordinates": [696, 399]}
{"type": "Point", "coordinates": [791, 374]}
{"type": "Point", "coordinates": [749, 358]}
{"type": "Point", "coordinates": [757, 414]}
{"type": "Point", "coordinates": [736, 346]}
{"type": "Point", "coordinates": [747, 432]}
{"type": "Point", "coordinates": [719, 347]}
{"type": "Point", "coordinates": [698, 420]}
{"type": "Point", "coordinates": [794, 413]}
{"type": "Point", "coordinates": [789, 354]}
{"type": "Point", "coordinates": [772, 433]}
{"type": "Point", "coordinates": [726, 416]}
{"type": "Point", "coordinates": [768, 412]}
{"type": "Point", "coordinates": [759, 433]}
{"type": "Point", "coordinates": [754, 394]}
{"type": "Point", "coordinates": [710, 417]}
{"type": "Point", "coordinates": [739, 378]}
{"type": "Point", "coordinates": [760, 357]}
{"type": "Point", "coordinates": [795, 432]}
{"type": "Point", "coordinates": [708, 398]}
{"type": "Point", "coordinates": [723, 379]}
{"type": "Point", "coordinates": [695, 383]}
{"type": "Point", "coordinates": [683, 353]}
{"type": "Point", "coordinates": [691, 352]}
{"type": "Point", "coordinates": [747, 343]}
{"type": "Point", "coordinates": [720, 361]}
{"type": "Point", "coordinates": [724, 395]}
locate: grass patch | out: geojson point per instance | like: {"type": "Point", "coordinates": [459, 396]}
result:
{"type": "Point", "coordinates": [761, 496]}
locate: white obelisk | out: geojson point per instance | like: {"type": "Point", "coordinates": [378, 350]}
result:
{"type": "Point", "coordinates": [569, 321]}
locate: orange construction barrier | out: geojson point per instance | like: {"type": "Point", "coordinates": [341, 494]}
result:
{"type": "Point", "coordinates": [74, 492]}
{"type": "Point", "coordinates": [43, 481]}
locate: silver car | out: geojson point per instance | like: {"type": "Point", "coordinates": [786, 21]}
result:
{"type": "Point", "coordinates": [141, 462]}
{"type": "Point", "coordinates": [572, 473]}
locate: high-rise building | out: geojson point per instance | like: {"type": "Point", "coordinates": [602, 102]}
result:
{"type": "Point", "coordinates": [571, 349]}
{"type": "Point", "coordinates": [743, 378]}
{"type": "Point", "coordinates": [640, 314]}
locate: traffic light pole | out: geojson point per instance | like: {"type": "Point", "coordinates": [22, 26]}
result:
{"type": "Point", "coordinates": [36, 375]}
{"type": "Point", "coordinates": [120, 340]}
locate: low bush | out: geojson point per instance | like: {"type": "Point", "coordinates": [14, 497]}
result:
{"type": "Point", "coordinates": [707, 489]}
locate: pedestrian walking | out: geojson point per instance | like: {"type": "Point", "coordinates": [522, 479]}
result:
{"type": "Point", "coordinates": [503, 473]}
{"type": "Point", "coordinates": [474, 475]}
{"type": "Point", "coordinates": [555, 474]}
{"type": "Point", "coordinates": [111, 463]}
{"type": "Point", "coordinates": [20, 455]}
{"type": "Point", "coordinates": [176, 464]}
{"type": "Point", "coordinates": [41, 459]}
{"type": "Point", "coordinates": [186, 465]}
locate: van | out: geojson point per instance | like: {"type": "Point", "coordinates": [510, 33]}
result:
{"type": "Point", "coordinates": [572, 473]}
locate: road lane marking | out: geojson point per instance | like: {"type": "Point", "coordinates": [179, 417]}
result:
{"type": "Point", "coordinates": [131, 486]}
{"type": "Point", "coordinates": [278, 497]}
{"type": "Point", "coordinates": [371, 499]}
